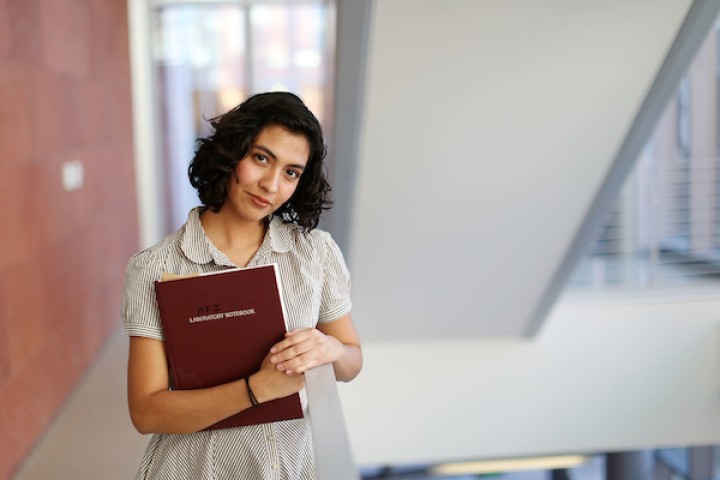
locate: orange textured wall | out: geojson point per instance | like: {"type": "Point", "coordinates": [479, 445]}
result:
{"type": "Point", "coordinates": [64, 96]}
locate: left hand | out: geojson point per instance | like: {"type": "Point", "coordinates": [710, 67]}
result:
{"type": "Point", "coordinates": [303, 349]}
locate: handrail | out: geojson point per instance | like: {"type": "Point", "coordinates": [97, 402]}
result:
{"type": "Point", "coordinates": [333, 456]}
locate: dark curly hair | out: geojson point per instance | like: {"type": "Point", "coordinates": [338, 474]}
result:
{"type": "Point", "coordinates": [235, 131]}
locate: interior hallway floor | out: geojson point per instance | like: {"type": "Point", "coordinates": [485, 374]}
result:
{"type": "Point", "coordinates": [92, 436]}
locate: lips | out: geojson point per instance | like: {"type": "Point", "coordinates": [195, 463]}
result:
{"type": "Point", "coordinates": [258, 201]}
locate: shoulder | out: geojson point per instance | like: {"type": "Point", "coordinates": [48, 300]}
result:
{"type": "Point", "coordinates": [316, 237]}
{"type": "Point", "coordinates": [321, 247]}
{"type": "Point", "coordinates": [150, 262]}
{"type": "Point", "coordinates": [316, 240]}
{"type": "Point", "coordinates": [288, 237]}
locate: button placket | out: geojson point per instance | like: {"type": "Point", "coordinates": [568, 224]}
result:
{"type": "Point", "coordinates": [274, 457]}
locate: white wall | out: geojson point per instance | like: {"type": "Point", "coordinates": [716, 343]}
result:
{"type": "Point", "coordinates": [488, 129]}
{"type": "Point", "coordinates": [603, 375]}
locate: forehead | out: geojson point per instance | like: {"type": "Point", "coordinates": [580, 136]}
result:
{"type": "Point", "coordinates": [281, 142]}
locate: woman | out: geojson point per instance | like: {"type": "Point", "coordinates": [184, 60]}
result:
{"type": "Point", "coordinates": [261, 182]}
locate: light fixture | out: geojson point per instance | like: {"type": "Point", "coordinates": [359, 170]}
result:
{"type": "Point", "coordinates": [510, 464]}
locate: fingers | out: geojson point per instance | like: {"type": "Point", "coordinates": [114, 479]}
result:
{"type": "Point", "coordinates": [297, 342]}
{"type": "Point", "coordinates": [293, 337]}
{"type": "Point", "coordinates": [297, 366]}
{"type": "Point", "coordinates": [301, 350]}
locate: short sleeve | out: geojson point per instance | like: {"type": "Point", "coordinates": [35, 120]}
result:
{"type": "Point", "coordinates": [335, 301]}
{"type": "Point", "coordinates": [139, 306]}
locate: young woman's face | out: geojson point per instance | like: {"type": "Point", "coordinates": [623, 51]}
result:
{"type": "Point", "coordinates": [268, 175]}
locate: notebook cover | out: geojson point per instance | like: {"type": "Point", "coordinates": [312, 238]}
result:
{"type": "Point", "coordinates": [218, 328]}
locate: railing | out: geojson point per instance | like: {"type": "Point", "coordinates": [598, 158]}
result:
{"type": "Point", "coordinates": [333, 457]}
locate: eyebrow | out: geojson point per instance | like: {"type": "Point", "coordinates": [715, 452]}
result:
{"type": "Point", "coordinates": [270, 153]}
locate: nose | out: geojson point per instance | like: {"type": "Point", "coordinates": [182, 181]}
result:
{"type": "Point", "coordinates": [269, 181]}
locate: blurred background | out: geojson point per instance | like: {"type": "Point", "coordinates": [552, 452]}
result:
{"type": "Point", "coordinates": [527, 195]}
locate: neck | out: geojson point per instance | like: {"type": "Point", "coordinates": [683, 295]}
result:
{"type": "Point", "coordinates": [230, 235]}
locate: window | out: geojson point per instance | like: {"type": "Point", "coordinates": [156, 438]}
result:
{"type": "Point", "coordinates": [210, 56]}
{"type": "Point", "coordinates": [664, 229]}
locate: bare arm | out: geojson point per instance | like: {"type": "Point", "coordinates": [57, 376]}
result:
{"type": "Point", "coordinates": [155, 409]}
{"type": "Point", "coordinates": [336, 342]}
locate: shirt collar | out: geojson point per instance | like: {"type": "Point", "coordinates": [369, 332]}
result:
{"type": "Point", "coordinates": [199, 249]}
{"type": "Point", "coordinates": [280, 236]}
{"type": "Point", "coordinates": [194, 244]}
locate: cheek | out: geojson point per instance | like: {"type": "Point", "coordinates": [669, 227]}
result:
{"type": "Point", "coordinates": [288, 191]}
{"type": "Point", "coordinates": [241, 170]}
{"type": "Point", "coordinates": [246, 173]}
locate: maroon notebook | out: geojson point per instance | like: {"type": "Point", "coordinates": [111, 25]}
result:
{"type": "Point", "coordinates": [218, 328]}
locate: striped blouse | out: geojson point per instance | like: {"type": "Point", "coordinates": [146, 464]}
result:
{"type": "Point", "coordinates": [316, 288]}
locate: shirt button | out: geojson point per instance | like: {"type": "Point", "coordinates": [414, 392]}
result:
{"type": "Point", "coordinates": [270, 437]}
{"type": "Point", "coordinates": [274, 466]}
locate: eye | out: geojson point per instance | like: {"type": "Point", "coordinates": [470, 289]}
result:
{"type": "Point", "coordinates": [292, 173]}
{"type": "Point", "coordinates": [261, 158]}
